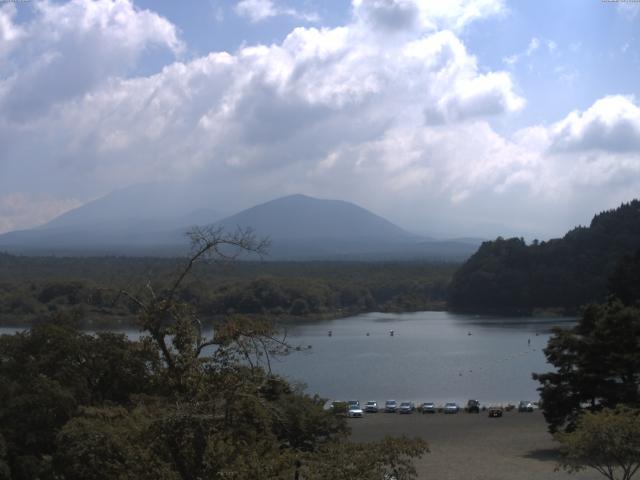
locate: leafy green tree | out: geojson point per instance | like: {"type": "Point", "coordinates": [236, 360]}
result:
{"type": "Point", "coordinates": [387, 458]}
{"type": "Point", "coordinates": [5, 472]}
{"type": "Point", "coordinates": [624, 284]}
{"type": "Point", "coordinates": [109, 442]}
{"type": "Point", "coordinates": [596, 365]}
{"type": "Point", "coordinates": [607, 441]}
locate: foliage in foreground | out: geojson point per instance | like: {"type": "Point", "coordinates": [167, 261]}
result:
{"type": "Point", "coordinates": [597, 362]}
{"type": "Point", "coordinates": [597, 365]}
{"type": "Point", "coordinates": [607, 441]}
{"type": "Point", "coordinates": [80, 406]}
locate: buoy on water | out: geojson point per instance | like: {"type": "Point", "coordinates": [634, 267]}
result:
{"type": "Point", "coordinates": [330, 333]}
{"type": "Point", "coordinates": [391, 333]}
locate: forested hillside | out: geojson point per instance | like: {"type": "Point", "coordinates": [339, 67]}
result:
{"type": "Point", "coordinates": [33, 288]}
{"type": "Point", "coordinates": [565, 273]}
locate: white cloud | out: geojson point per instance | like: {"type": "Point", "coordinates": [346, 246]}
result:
{"type": "Point", "coordinates": [611, 124]}
{"type": "Point", "coordinates": [10, 33]}
{"type": "Point", "coordinates": [73, 47]}
{"type": "Point", "coordinates": [482, 95]}
{"type": "Point", "coordinates": [534, 44]}
{"type": "Point", "coordinates": [256, 10]}
{"type": "Point", "coordinates": [260, 10]}
{"type": "Point", "coordinates": [532, 47]}
{"type": "Point", "coordinates": [552, 46]}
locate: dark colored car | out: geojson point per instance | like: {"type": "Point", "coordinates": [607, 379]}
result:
{"type": "Point", "coordinates": [473, 406]}
{"type": "Point", "coordinates": [407, 407]}
{"type": "Point", "coordinates": [495, 411]}
{"type": "Point", "coordinates": [525, 406]}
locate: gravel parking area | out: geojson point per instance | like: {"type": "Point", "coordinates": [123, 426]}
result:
{"type": "Point", "coordinates": [473, 446]}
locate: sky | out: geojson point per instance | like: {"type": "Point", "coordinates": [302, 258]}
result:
{"type": "Point", "coordinates": [461, 118]}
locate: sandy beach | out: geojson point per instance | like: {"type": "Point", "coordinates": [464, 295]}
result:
{"type": "Point", "coordinates": [474, 446]}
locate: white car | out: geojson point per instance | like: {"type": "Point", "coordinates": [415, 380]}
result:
{"type": "Point", "coordinates": [354, 412]}
{"type": "Point", "coordinates": [371, 407]}
{"type": "Point", "coordinates": [451, 407]}
{"type": "Point", "coordinates": [390, 406]}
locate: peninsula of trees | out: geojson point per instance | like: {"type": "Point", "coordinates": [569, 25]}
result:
{"type": "Point", "coordinates": [507, 275]}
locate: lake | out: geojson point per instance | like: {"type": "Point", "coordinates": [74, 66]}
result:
{"type": "Point", "coordinates": [432, 356]}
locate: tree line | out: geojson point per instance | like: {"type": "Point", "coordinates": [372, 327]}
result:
{"type": "Point", "coordinates": [33, 288]}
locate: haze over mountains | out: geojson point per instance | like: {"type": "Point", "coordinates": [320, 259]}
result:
{"type": "Point", "coordinates": [146, 221]}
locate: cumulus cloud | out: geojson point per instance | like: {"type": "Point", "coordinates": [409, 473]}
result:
{"type": "Point", "coordinates": [610, 124]}
{"type": "Point", "coordinates": [260, 10]}
{"type": "Point", "coordinates": [73, 47]}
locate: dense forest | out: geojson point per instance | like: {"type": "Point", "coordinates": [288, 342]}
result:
{"type": "Point", "coordinates": [33, 288]}
{"type": "Point", "coordinates": [565, 273]}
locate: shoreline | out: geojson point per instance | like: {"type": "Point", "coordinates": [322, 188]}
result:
{"type": "Point", "coordinates": [123, 322]}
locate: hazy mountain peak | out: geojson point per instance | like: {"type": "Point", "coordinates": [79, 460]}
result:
{"type": "Point", "coordinates": [301, 216]}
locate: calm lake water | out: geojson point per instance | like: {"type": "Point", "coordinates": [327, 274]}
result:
{"type": "Point", "coordinates": [432, 356]}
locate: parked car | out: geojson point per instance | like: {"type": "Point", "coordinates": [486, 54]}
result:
{"type": "Point", "coordinates": [428, 407]}
{"type": "Point", "coordinates": [473, 406]}
{"type": "Point", "coordinates": [451, 407]}
{"type": "Point", "coordinates": [525, 406]}
{"type": "Point", "coordinates": [407, 407]}
{"type": "Point", "coordinates": [495, 411]}
{"type": "Point", "coordinates": [354, 403]}
{"type": "Point", "coordinates": [371, 407]}
{"type": "Point", "coordinates": [354, 412]}
{"type": "Point", "coordinates": [390, 406]}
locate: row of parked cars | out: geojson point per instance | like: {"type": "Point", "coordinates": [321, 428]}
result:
{"type": "Point", "coordinates": [391, 406]}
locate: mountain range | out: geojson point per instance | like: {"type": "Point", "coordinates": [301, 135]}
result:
{"type": "Point", "coordinates": [146, 221]}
